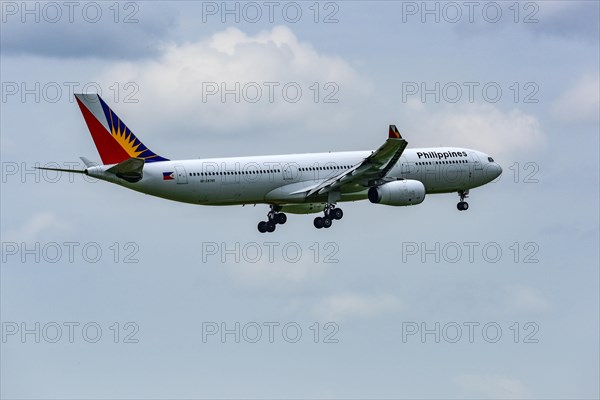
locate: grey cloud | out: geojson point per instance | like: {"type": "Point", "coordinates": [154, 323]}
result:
{"type": "Point", "coordinates": [136, 33]}
{"type": "Point", "coordinates": [571, 20]}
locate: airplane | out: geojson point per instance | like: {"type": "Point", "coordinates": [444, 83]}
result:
{"type": "Point", "coordinates": [295, 183]}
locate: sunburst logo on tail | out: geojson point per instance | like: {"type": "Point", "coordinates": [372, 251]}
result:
{"type": "Point", "coordinates": [126, 139]}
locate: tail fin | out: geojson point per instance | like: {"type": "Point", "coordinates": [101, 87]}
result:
{"type": "Point", "coordinates": [114, 141]}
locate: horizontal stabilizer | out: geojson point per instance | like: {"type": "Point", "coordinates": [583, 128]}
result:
{"type": "Point", "coordinates": [75, 171]}
{"type": "Point", "coordinates": [88, 163]}
{"type": "Point", "coordinates": [130, 170]}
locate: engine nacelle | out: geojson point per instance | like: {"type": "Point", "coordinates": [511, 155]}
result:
{"type": "Point", "coordinates": [407, 192]}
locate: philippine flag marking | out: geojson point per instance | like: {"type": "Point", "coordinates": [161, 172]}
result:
{"type": "Point", "coordinates": [168, 176]}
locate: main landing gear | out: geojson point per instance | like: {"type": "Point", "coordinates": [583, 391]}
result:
{"type": "Point", "coordinates": [462, 204]}
{"type": "Point", "coordinates": [274, 217]}
{"type": "Point", "coordinates": [331, 213]}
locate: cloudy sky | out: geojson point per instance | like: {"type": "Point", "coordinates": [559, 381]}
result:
{"type": "Point", "coordinates": [108, 293]}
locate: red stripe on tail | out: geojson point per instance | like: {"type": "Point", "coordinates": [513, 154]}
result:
{"type": "Point", "coordinates": [109, 149]}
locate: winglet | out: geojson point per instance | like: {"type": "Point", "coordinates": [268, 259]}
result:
{"type": "Point", "coordinates": [394, 134]}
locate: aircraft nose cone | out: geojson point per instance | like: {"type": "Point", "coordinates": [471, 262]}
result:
{"type": "Point", "coordinates": [493, 171]}
{"type": "Point", "coordinates": [496, 170]}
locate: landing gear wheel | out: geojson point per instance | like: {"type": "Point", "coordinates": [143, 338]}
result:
{"type": "Point", "coordinates": [281, 218]}
{"type": "Point", "coordinates": [462, 206]}
{"type": "Point", "coordinates": [318, 222]}
{"type": "Point", "coordinates": [337, 213]}
{"type": "Point", "coordinates": [262, 226]}
{"type": "Point", "coordinates": [330, 213]}
{"type": "Point", "coordinates": [274, 217]}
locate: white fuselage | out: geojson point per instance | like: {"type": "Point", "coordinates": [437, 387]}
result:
{"type": "Point", "coordinates": [283, 179]}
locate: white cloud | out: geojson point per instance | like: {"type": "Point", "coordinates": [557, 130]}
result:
{"type": "Point", "coordinates": [580, 102]}
{"type": "Point", "coordinates": [347, 306]}
{"type": "Point", "coordinates": [37, 225]}
{"type": "Point", "coordinates": [490, 386]}
{"type": "Point", "coordinates": [179, 86]}
{"type": "Point", "coordinates": [484, 127]}
{"type": "Point", "coordinates": [525, 298]}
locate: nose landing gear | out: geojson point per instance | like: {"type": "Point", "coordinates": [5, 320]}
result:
{"type": "Point", "coordinates": [462, 204]}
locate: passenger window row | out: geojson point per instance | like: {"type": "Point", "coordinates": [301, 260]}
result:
{"type": "Point", "coordinates": [442, 162]}
{"type": "Point", "coordinates": [262, 171]}
{"type": "Point", "coordinates": [267, 171]}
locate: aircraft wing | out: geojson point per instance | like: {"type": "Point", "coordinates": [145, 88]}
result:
{"type": "Point", "coordinates": [374, 167]}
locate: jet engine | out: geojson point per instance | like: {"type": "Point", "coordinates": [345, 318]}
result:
{"type": "Point", "coordinates": [406, 192]}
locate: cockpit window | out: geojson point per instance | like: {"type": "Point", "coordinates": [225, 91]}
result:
{"type": "Point", "coordinates": [490, 159]}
